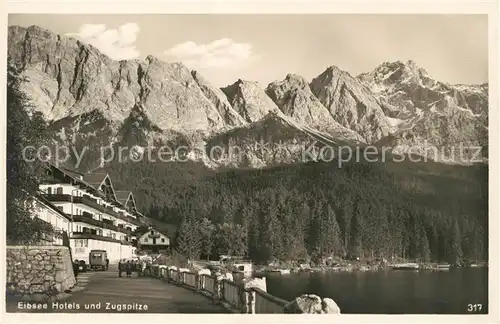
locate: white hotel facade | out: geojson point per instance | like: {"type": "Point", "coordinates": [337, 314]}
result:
{"type": "Point", "coordinates": [91, 212]}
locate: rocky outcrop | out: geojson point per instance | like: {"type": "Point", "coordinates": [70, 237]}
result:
{"type": "Point", "coordinates": [92, 101]}
{"type": "Point", "coordinates": [312, 304]}
{"type": "Point", "coordinates": [456, 137]}
{"type": "Point", "coordinates": [249, 100]}
{"type": "Point", "coordinates": [443, 122]}
{"type": "Point", "coordinates": [259, 283]}
{"type": "Point", "coordinates": [275, 139]}
{"type": "Point", "coordinates": [350, 103]}
{"type": "Point", "coordinates": [404, 89]}
{"type": "Point", "coordinates": [295, 99]}
{"type": "Point", "coordinates": [219, 100]}
{"type": "Point", "coordinates": [68, 78]}
{"type": "Point", "coordinates": [39, 272]}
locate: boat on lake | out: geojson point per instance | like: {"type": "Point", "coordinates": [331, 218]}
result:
{"type": "Point", "coordinates": [281, 271]}
{"type": "Point", "coordinates": [444, 267]}
{"type": "Point", "coordinates": [406, 266]}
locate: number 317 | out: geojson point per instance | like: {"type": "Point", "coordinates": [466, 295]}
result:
{"type": "Point", "coordinates": [474, 307]}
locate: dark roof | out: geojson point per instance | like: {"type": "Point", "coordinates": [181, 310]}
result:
{"type": "Point", "coordinates": [95, 179]}
{"type": "Point", "coordinates": [122, 195]}
{"type": "Point", "coordinates": [72, 172]}
{"type": "Point", "coordinates": [162, 230]}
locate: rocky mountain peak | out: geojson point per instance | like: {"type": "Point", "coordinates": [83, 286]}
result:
{"type": "Point", "coordinates": [392, 73]}
{"type": "Point", "coordinates": [296, 80]}
{"type": "Point", "coordinates": [219, 100]}
{"type": "Point", "coordinates": [249, 100]}
{"type": "Point", "coordinates": [69, 78]}
{"type": "Point", "coordinates": [89, 97]}
{"type": "Point", "coordinates": [350, 103]}
{"type": "Point", "coordinates": [295, 99]}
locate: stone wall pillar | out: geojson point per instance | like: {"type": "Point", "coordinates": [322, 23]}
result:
{"type": "Point", "coordinates": [43, 271]}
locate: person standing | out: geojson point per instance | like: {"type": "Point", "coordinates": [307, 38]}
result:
{"type": "Point", "coordinates": [76, 268]}
{"type": "Point", "coordinates": [120, 268]}
{"type": "Point", "coordinates": [128, 268]}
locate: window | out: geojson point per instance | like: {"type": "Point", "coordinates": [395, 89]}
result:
{"type": "Point", "coordinates": [152, 232]}
{"type": "Point", "coordinates": [163, 240]}
{"type": "Point", "coordinates": [59, 190]}
{"type": "Point", "coordinates": [82, 243]}
{"type": "Point", "coordinates": [146, 240]}
{"type": "Point", "coordinates": [49, 190]}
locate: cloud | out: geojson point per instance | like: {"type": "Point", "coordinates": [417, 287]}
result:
{"type": "Point", "coordinates": [118, 44]}
{"type": "Point", "coordinates": [220, 53]}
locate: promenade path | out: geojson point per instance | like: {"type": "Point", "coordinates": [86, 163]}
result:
{"type": "Point", "coordinates": [109, 292]}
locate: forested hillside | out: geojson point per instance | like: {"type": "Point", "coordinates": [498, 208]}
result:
{"type": "Point", "coordinates": [426, 211]}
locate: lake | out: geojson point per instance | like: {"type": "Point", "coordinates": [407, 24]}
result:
{"type": "Point", "coordinates": [390, 291]}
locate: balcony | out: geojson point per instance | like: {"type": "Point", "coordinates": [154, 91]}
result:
{"type": "Point", "coordinates": [62, 198]}
{"type": "Point", "coordinates": [93, 235]}
{"type": "Point", "coordinates": [87, 219]}
{"type": "Point", "coordinates": [91, 202]}
{"type": "Point", "coordinates": [124, 230]}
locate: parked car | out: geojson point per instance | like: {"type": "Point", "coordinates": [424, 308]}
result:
{"type": "Point", "coordinates": [98, 260]}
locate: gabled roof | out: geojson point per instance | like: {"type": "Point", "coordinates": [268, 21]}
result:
{"type": "Point", "coordinates": [95, 179]}
{"type": "Point", "coordinates": [125, 197]}
{"type": "Point", "coordinates": [122, 196]}
{"type": "Point", "coordinates": [98, 179]}
{"type": "Point", "coordinates": [144, 232]}
{"type": "Point", "coordinates": [73, 173]}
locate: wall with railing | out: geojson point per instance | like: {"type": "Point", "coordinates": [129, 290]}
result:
{"type": "Point", "coordinates": [232, 295]}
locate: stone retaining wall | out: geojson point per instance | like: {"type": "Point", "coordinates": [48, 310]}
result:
{"type": "Point", "coordinates": [38, 270]}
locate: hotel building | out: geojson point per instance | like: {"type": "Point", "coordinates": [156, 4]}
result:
{"type": "Point", "coordinates": [97, 216]}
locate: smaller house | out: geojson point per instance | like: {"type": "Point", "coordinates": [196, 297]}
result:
{"type": "Point", "coordinates": [153, 241]}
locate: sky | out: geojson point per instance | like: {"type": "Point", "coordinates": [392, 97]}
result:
{"type": "Point", "coordinates": [265, 48]}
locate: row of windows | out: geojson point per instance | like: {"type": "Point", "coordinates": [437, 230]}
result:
{"type": "Point", "coordinates": [80, 228]}
{"type": "Point", "coordinates": [146, 240]}
{"type": "Point", "coordinates": [78, 193]}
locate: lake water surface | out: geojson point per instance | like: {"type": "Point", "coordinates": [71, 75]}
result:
{"type": "Point", "coordinates": [390, 291]}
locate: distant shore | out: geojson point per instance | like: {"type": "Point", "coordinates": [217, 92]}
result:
{"type": "Point", "coordinates": [361, 266]}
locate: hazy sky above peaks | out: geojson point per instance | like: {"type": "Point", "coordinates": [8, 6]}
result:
{"type": "Point", "coordinates": [264, 48]}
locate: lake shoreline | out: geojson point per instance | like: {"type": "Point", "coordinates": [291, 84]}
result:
{"type": "Point", "coordinates": [354, 267]}
{"type": "Point", "coordinates": [389, 292]}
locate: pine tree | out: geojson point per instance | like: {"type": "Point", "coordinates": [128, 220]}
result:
{"type": "Point", "coordinates": [456, 254]}
{"type": "Point", "coordinates": [335, 245]}
{"type": "Point", "coordinates": [189, 242]}
{"type": "Point", "coordinates": [206, 231]}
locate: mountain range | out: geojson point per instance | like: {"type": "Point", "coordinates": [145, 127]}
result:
{"type": "Point", "coordinates": [91, 100]}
